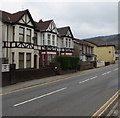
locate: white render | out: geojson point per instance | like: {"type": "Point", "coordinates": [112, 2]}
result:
{"type": "Point", "coordinates": [7, 52]}
{"type": "Point", "coordinates": [11, 40]}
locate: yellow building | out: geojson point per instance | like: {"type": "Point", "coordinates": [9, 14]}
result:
{"type": "Point", "coordinates": [103, 50]}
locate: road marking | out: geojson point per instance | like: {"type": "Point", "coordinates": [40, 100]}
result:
{"type": "Point", "coordinates": [115, 69]}
{"type": "Point", "coordinates": [39, 97]}
{"type": "Point", "coordinates": [106, 105]}
{"type": "Point", "coordinates": [33, 86]}
{"type": "Point", "coordinates": [106, 73]}
{"type": "Point", "coordinates": [38, 85]}
{"type": "Point", "coordinates": [88, 79]}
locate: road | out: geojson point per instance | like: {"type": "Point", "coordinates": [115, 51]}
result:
{"type": "Point", "coordinates": [81, 95]}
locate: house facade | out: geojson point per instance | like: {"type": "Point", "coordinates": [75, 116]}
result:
{"type": "Point", "coordinates": [66, 45]}
{"type": "Point", "coordinates": [83, 50]}
{"type": "Point", "coordinates": [105, 51]}
{"type": "Point", "coordinates": [48, 41]}
{"type": "Point", "coordinates": [18, 44]}
{"type": "Point", "coordinates": [30, 44]}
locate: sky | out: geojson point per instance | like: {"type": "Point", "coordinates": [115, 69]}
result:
{"type": "Point", "coordinates": [87, 19]}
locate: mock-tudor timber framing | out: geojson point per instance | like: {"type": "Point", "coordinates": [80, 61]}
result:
{"type": "Point", "coordinates": [50, 42]}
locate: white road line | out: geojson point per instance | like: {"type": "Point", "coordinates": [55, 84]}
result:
{"type": "Point", "coordinates": [115, 69]}
{"type": "Point", "coordinates": [88, 79]}
{"type": "Point", "coordinates": [106, 73]}
{"type": "Point", "coordinates": [39, 97]}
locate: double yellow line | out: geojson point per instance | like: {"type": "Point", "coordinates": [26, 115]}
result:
{"type": "Point", "coordinates": [106, 105]}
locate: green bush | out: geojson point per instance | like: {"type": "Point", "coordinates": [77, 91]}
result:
{"type": "Point", "coordinates": [67, 62]}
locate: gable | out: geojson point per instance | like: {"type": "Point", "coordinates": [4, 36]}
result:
{"type": "Point", "coordinates": [26, 20]}
{"type": "Point", "coordinates": [68, 34]}
{"type": "Point", "coordinates": [52, 28]}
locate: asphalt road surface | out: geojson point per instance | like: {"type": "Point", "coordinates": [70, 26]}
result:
{"type": "Point", "coordinates": [81, 95]}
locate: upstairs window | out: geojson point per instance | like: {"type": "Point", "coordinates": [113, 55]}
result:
{"type": "Point", "coordinates": [53, 39]}
{"type": "Point", "coordinates": [57, 42]}
{"type": "Point", "coordinates": [43, 41]}
{"type": "Point", "coordinates": [13, 33]}
{"type": "Point", "coordinates": [28, 35]}
{"type": "Point", "coordinates": [49, 36]}
{"type": "Point", "coordinates": [49, 39]}
{"type": "Point", "coordinates": [62, 43]}
{"type": "Point", "coordinates": [35, 38]}
{"type": "Point", "coordinates": [66, 42]}
{"type": "Point", "coordinates": [69, 43]}
{"type": "Point", "coordinates": [21, 34]}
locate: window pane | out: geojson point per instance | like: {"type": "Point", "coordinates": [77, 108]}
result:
{"type": "Point", "coordinates": [21, 56]}
{"type": "Point", "coordinates": [21, 64]}
{"type": "Point", "coordinates": [43, 42]}
{"type": "Point", "coordinates": [28, 32]}
{"type": "Point", "coordinates": [35, 38]}
{"type": "Point", "coordinates": [28, 39]}
{"type": "Point", "coordinates": [28, 56]}
{"type": "Point", "coordinates": [28, 35]}
{"type": "Point", "coordinates": [21, 60]}
{"type": "Point", "coordinates": [49, 36]}
{"type": "Point", "coordinates": [53, 37]}
{"type": "Point", "coordinates": [28, 64]}
{"type": "Point", "coordinates": [21, 30]}
{"type": "Point", "coordinates": [66, 42]}
{"type": "Point", "coordinates": [21, 38]}
{"type": "Point", "coordinates": [43, 36]}
{"type": "Point", "coordinates": [28, 60]}
{"type": "Point", "coordinates": [48, 42]}
{"type": "Point", "coordinates": [21, 34]}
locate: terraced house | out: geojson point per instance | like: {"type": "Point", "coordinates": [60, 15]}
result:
{"type": "Point", "coordinates": [30, 44]}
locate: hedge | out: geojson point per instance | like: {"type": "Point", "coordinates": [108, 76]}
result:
{"type": "Point", "coordinates": [67, 62]}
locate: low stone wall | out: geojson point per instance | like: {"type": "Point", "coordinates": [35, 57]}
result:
{"type": "Point", "coordinates": [15, 76]}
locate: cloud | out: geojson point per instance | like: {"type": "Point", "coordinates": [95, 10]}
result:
{"type": "Point", "coordinates": [86, 19]}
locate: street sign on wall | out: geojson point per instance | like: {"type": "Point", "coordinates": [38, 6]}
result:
{"type": "Point", "coordinates": [5, 67]}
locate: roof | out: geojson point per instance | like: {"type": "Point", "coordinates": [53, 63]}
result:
{"type": "Point", "coordinates": [15, 17]}
{"type": "Point", "coordinates": [42, 25]}
{"type": "Point", "coordinates": [82, 42]}
{"type": "Point", "coordinates": [99, 42]}
{"type": "Point", "coordinates": [63, 31]}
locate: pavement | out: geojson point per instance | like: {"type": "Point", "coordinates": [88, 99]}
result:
{"type": "Point", "coordinates": [25, 84]}
{"type": "Point", "coordinates": [76, 94]}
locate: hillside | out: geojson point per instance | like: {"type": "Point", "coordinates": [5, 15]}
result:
{"type": "Point", "coordinates": [111, 39]}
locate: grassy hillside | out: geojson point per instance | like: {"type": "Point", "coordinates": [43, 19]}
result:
{"type": "Point", "coordinates": [114, 39]}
